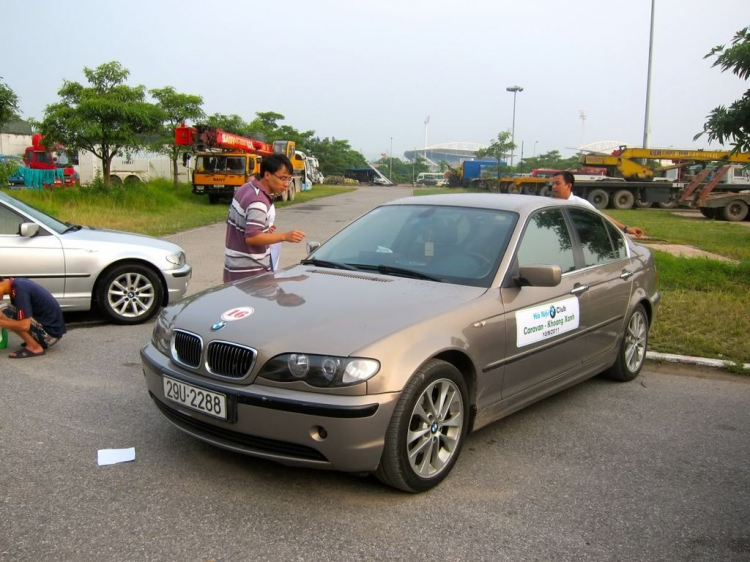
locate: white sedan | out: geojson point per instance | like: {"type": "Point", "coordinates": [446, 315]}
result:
{"type": "Point", "coordinates": [128, 277]}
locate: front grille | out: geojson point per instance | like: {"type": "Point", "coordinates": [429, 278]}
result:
{"type": "Point", "coordinates": [229, 360]}
{"type": "Point", "coordinates": [249, 443]}
{"type": "Point", "coordinates": [187, 348]}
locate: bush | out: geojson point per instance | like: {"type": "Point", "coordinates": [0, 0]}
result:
{"type": "Point", "coordinates": [340, 180]}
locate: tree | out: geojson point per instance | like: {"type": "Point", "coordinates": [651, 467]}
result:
{"type": "Point", "coordinates": [335, 156]}
{"type": "Point", "coordinates": [175, 108]}
{"type": "Point", "coordinates": [497, 149]}
{"type": "Point", "coordinates": [8, 104]}
{"type": "Point", "coordinates": [105, 118]}
{"type": "Point", "coordinates": [732, 124]}
{"type": "Point", "coordinates": [552, 159]}
{"type": "Point", "coordinates": [230, 123]}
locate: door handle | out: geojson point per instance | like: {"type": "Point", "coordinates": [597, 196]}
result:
{"type": "Point", "coordinates": [626, 274]}
{"type": "Point", "coordinates": [579, 289]}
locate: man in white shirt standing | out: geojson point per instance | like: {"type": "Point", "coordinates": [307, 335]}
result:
{"type": "Point", "coordinates": [562, 188]}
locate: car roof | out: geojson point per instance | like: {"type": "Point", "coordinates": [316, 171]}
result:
{"type": "Point", "coordinates": [522, 204]}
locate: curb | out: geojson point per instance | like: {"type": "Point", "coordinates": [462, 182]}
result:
{"type": "Point", "coordinates": [686, 359]}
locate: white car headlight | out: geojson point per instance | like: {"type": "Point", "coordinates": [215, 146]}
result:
{"type": "Point", "coordinates": [178, 258]}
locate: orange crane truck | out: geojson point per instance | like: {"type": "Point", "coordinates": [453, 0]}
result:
{"type": "Point", "coordinates": [225, 161]}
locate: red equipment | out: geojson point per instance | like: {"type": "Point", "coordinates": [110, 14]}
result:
{"type": "Point", "coordinates": [37, 157]}
{"type": "Point", "coordinates": [211, 138]}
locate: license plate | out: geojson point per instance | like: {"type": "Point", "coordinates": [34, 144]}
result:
{"type": "Point", "coordinates": [198, 399]}
{"type": "Point", "coordinates": [217, 185]}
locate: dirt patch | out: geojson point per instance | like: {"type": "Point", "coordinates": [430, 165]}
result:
{"type": "Point", "coordinates": [686, 251]}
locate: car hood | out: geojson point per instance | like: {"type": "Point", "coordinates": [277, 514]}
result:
{"type": "Point", "coordinates": [317, 310]}
{"type": "Point", "coordinates": [88, 235]}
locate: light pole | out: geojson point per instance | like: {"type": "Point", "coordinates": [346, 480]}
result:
{"type": "Point", "coordinates": [413, 163]}
{"type": "Point", "coordinates": [648, 79]}
{"type": "Point", "coordinates": [515, 90]}
{"type": "Point", "coordinates": [535, 148]}
{"type": "Point", "coordinates": [390, 165]}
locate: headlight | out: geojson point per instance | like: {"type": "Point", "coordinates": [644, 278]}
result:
{"type": "Point", "coordinates": [319, 370]}
{"type": "Point", "coordinates": [162, 334]}
{"type": "Point", "coordinates": [178, 258]}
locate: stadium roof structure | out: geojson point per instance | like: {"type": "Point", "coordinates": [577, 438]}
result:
{"type": "Point", "coordinates": [451, 152]}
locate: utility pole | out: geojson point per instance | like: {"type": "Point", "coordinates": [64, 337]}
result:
{"type": "Point", "coordinates": [515, 90]}
{"type": "Point", "coordinates": [648, 79]}
{"type": "Point", "coordinates": [424, 145]}
{"type": "Point", "coordinates": [390, 166]}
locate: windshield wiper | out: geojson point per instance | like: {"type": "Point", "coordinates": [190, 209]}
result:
{"type": "Point", "coordinates": [72, 228]}
{"type": "Point", "coordinates": [391, 270]}
{"type": "Point", "coordinates": [326, 263]}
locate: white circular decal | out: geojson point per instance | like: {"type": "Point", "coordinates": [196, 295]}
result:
{"type": "Point", "coordinates": [237, 313]}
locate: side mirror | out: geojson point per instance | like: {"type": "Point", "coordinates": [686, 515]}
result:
{"type": "Point", "coordinates": [28, 229]}
{"type": "Point", "coordinates": [539, 276]}
{"type": "Point", "coordinates": [312, 246]}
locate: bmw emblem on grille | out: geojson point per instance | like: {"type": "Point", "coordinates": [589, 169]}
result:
{"type": "Point", "coordinates": [218, 326]}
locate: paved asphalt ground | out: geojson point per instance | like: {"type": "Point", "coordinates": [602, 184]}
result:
{"type": "Point", "coordinates": [656, 469]}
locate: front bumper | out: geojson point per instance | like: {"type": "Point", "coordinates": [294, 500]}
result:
{"type": "Point", "coordinates": [279, 424]}
{"type": "Point", "coordinates": [177, 282]}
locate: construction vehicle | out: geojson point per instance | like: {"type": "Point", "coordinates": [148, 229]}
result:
{"type": "Point", "coordinates": [630, 182]}
{"type": "Point", "coordinates": [225, 161]}
{"type": "Point", "coordinates": [52, 172]}
{"type": "Point", "coordinates": [306, 167]}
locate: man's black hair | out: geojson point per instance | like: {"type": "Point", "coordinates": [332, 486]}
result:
{"type": "Point", "coordinates": [568, 177]}
{"type": "Point", "coordinates": [274, 163]}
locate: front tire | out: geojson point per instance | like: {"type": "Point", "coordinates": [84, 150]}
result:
{"type": "Point", "coordinates": [130, 294]}
{"type": "Point", "coordinates": [428, 428]}
{"type": "Point", "coordinates": [632, 353]}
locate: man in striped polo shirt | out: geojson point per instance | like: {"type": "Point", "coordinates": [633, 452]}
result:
{"type": "Point", "coordinates": [249, 232]}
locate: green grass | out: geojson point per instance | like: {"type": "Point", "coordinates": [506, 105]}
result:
{"type": "Point", "coordinates": [156, 208]}
{"type": "Point", "coordinates": [728, 239]}
{"type": "Point", "coordinates": [703, 310]}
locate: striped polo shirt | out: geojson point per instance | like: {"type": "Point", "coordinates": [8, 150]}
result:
{"type": "Point", "coordinates": [248, 216]}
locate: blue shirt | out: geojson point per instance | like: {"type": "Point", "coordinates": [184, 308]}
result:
{"type": "Point", "coordinates": [34, 301]}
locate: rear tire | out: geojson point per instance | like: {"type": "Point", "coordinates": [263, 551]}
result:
{"type": "Point", "coordinates": [643, 204]}
{"type": "Point", "coordinates": [598, 198]}
{"type": "Point", "coordinates": [545, 191]}
{"type": "Point", "coordinates": [708, 212]}
{"type": "Point", "coordinates": [427, 430]}
{"type": "Point", "coordinates": [623, 200]}
{"type": "Point", "coordinates": [736, 211]}
{"type": "Point", "coordinates": [632, 353]}
{"type": "Point", "coordinates": [671, 204]}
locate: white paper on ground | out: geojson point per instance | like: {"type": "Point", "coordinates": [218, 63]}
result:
{"type": "Point", "coordinates": [114, 456]}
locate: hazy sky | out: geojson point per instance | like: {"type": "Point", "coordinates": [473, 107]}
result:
{"type": "Point", "coordinates": [370, 71]}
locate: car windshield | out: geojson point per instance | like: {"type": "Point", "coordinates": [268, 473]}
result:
{"type": "Point", "coordinates": [461, 245]}
{"type": "Point", "coordinates": [48, 221]}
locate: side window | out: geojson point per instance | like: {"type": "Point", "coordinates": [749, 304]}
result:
{"type": "Point", "coordinates": [547, 242]}
{"type": "Point", "coordinates": [618, 243]}
{"type": "Point", "coordinates": [9, 221]}
{"type": "Point", "coordinates": [596, 244]}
